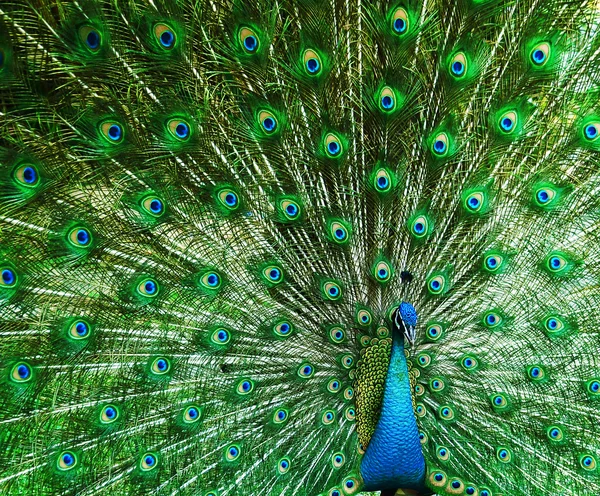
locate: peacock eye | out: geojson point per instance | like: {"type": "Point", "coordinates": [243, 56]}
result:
{"type": "Point", "coordinates": [554, 324]}
{"type": "Point", "coordinates": [424, 359]}
{"type": "Point", "coordinates": [439, 146]}
{"type": "Point", "coordinates": [232, 452]}
{"type": "Point", "coordinates": [160, 366]}
{"type": "Point", "coordinates": [588, 462]}
{"type": "Point", "coordinates": [165, 35]}
{"type": "Point", "coordinates": [80, 237]}
{"type": "Point", "coordinates": [332, 291]}
{"type": "Point", "coordinates": [27, 175]}
{"type": "Point", "coordinates": [67, 460]}
{"type": "Point", "coordinates": [280, 416]}
{"type": "Point", "coordinates": [443, 453]}
{"type": "Point", "coordinates": [333, 145]}
{"type": "Point", "coordinates": [474, 201]}
{"type": "Point", "coordinates": [312, 62]}
{"type": "Point", "coordinates": [283, 465]}
{"type": "Point", "coordinates": [191, 414]}
{"type": "Point", "coordinates": [544, 195]}
{"type": "Point", "coordinates": [91, 38]}
{"type": "Point", "coordinates": [79, 329]}
{"type": "Point", "coordinates": [458, 65]}
{"type": "Point", "coordinates": [556, 263]}
{"type": "Point", "coordinates": [148, 287]}
{"type": "Point", "coordinates": [328, 417]}
{"type": "Point", "coordinates": [8, 278]}
{"type": "Point", "coordinates": [337, 334]}
{"type": "Point", "coordinates": [536, 373]}
{"type": "Point", "coordinates": [249, 40]}
{"type": "Point", "coordinates": [382, 332]}
{"type": "Point", "coordinates": [291, 209]}
{"type": "Point", "coordinates": [273, 273]}
{"type": "Point", "coordinates": [555, 433]}
{"type": "Point", "coordinates": [382, 181]}
{"type": "Point", "coordinates": [245, 386]}
{"type": "Point", "coordinates": [220, 336]}
{"type": "Point", "coordinates": [267, 121]}
{"type": "Point", "coordinates": [436, 284]}
{"type": "Point", "coordinates": [434, 331]}
{"type": "Point", "coordinates": [333, 386]}
{"type": "Point", "coordinates": [492, 319]}
{"type": "Point", "coordinates": [350, 414]}
{"type": "Point", "coordinates": [540, 54]}
{"type": "Point", "coordinates": [21, 372]}
{"type": "Point", "coordinates": [179, 129]}
{"type": "Point", "coordinates": [347, 361]}
{"type": "Point", "coordinates": [493, 262]}
{"type": "Point", "coordinates": [211, 280]}
{"type": "Point", "coordinates": [400, 22]}
{"type": "Point", "coordinates": [419, 227]}
{"type": "Point", "coordinates": [591, 131]}
{"type": "Point", "coordinates": [387, 99]}
{"type": "Point", "coordinates": [112, 131]}
{"type": "Point", "coordinates": [508, 122]}
{"type": "Point", "coordinates": [364, 317]}
{"type": "Point", "coordinates": [469, 363]}
{"type": "Point", "coordinates": [109, 414]}
{"type": "Point", "coordinates": [438, 478]}
{"type": "Point", "coordinates": [499, 401]}
{"type": "Point", "coordinates": [228, 198]}
{"type": "Point", "coordinates": [338, 460]}
{"type": "Point", "coordinates": [504, 455]}
{"type": "Point", "coordinates": [446, 412]}
{"type": "Point", "coordinates": [383, 272]}
{"type": "Point", "coordinates": [153, 205]}
{"type": "Point", "coordinates": [306, 370]}
{"type": "Point", "coordinates": [148, 462]}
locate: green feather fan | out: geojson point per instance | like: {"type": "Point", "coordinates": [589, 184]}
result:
{"type": "Point", "coordinates": [220, 220]}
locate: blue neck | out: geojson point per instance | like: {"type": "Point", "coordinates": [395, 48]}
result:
{"type": "Point", "coordinates": [394, 459]}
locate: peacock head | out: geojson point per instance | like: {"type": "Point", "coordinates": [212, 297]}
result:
{"type": "Point", "coordinates": [405, 321]}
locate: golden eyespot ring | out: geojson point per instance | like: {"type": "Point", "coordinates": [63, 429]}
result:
{"type": "Point", "coordinates": [312, 62]}
{"type": "Point", "coordinates": [458, 66]}
{"type": "Point", "coordinates": [291, 210]}
{"type": "Point", "coordinates": [67, 460]}
{"type": "Point", "coordinates": [436, 384]}
{"type": "Point", "coordinates": [333, 386]}
{"type": "Point", "coordinates": [492, 263]}
{"type": "Point", "coordinates": [273, 273]}
{"type": "Point", "coordinates": [423, 359]}
{"type": "Point", "coordinates": [268, 122]}
{"type": "Point", "coordinates": [232, 452]}
{"type": "Point", "coordinates": [27, 175]}
{"type": "Point", "coordinates": [553, 324]}
{"type": "Point", "coordinates": [420, 410]}
{"type": "Point", "coordinates": [544, 195]}
{"type": "Point", "coordinates": [365, 340]}
{"type": "Point", "coordinates": [540, 54]}
{"type": "Point", "coordinates": [112, 131]}
{"type": "Point", "coordinates": [283, 465]}
{"type": "Point", "coordinates": [556, 263]}
{"type": "Point", "coordinates": [191, 414]}
{"type": "Point", "coordinates": [348, 393]}
{"type": "Point", "coordinates": [446, 412]}
{"type": "Point", "coordinates": [228, 198]}
{"type": "Point", "coordinates": [148, 462]}
{"type": "Point", "coordinates": [364, 317]}
{"type": "Point", "coordinates": [474, 202]}
{"type": "Point", "coordinates": [148, 287]}
{"type": "Point", "coordinates": [588, 462]}
{"type": "Point", "coordinates": [165, 36]}
{"type": "Point", "coordinates": [382, 332]}
{"type": "Point", "coordinates": [332, 290]}
{"type": "Point", "coordinates": [280, 416]}
{"type": "Point", "coordinates": [442, 453]}
{"type": "Point", "coordinates": [80, 237]}
{"type": "Point", "coordinates": [438, 478]}
{"type": "Point", "coordinates": [179, 129]}
{"type": "Point", "coordinates": [387, 99]}
{"type": "Point", "coordinates": [383, 272]}
{"type": "Point", "coordinates": [439, 145]}
{"type": "Point", "coordinates": [420, 227]}
{"type": "Point", "coordinates": [221, 336]}
{"type": "Point", "coordinates": [499, 401]}
{"type": "Point", "coordinates": [211, 280]}
{"type": "Point", "coordinates": [400, 22]}
{"type": "Point", "coordinates": [555, 433]}
{"type": "Point", "coordinates": [306, 370]}
{"type": "Point", "coordinates": [382, 181]}
{"type": "Point", "coordinates": [153, 205]}
{"type": "Point", "coordinates": [333, 145]}
{"type": "Point", "coordinates": [419, 390]}
{"type": "Point", "coordinates": [328, 417]}
{"type": "Point", "coordinates": [350, 414]}
{"type": "Point", "coordinates": [21, 372]}
{"type": "Point", "coordinates": [436, 284]}
{"type": "Point", "coordinates": [249, 40]}
{"type": "Point", "coordinates": [338, 460]}
{"type": "Point", "coordinates": [91, 38]}
{"type": "Point", "coordinates": [79, 329]}
{"type": "Point", "coordinates": [503, 454]}
{"type": "Point", "coordinates": [337, 334]}
{"type": "Point", "coordinates": [109, 414]}
{"type": "Point", "coordinates": [347, 361]}
{"type": "Point", "coordinates": [350, 485]}
{"type": "Point", "coordinates": [245, 386]}
{"type": "Point", "coordinates": [160, 366]}
{"type": "Point", "coordinates": [338, 232]}
{"type": "Point", "coordinates": [508, 122]}
{"type": "Point", "coordinates": [283, 328]}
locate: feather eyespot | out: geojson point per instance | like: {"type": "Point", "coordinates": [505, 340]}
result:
{"type": "Point", "coordinates": [153, 205]}
{"type": "Point", "coordinates": [419, 227]}
{"type": "Point", "coordinates": [21, 372]}
{"type": "Point", "coordinates": [591, 131]}
{"type": "Point", "coordinates": [249, 40]}
{"type": "Point", "coordinates": [350, 414]}
{"type": "Point", "coordinates": [504, 455]}
{"type": "Point", "coordinates": [438, 478]}
{"type": "Point", "coordinates": [191, 414]}
{"type": "Point", "coordinates": [436, 284]}
{"type": "Point", "coordinates": [434, 331]}
{"type": "Point", "coordinates": [333, 146]}
{"type": "Point", "coordinates": [27, 175]}
{"type": "Point", "coordinates": [439, 145]}
{"type": "Point", "coordinates": [109, 414]}
{"type": "Point", "coordinates": [347, 361]}
{"type": "Point", "coordinates": [492, 263]}
{"type": "Point", "coordinates": [148, 288]}
{"type": "Point", "coordinates": [112, 131]}
{"type": "Point", "coordinates": [328, 417]}
{"type": "Point", "coordinates": [382, 181]}
{"type": "Point", "coordinates": [268, 122]}
{"type": "Point", "coordinates": [280, 416]}
{"type": "Point", "coordinates": [508, 122]}
{"type": "Point", "coordinates": [149, 461]}
{"type": "Point", "coordinates": [283, 329]}
{"type": "Point", "coordinates": [221, 336]}
{"type": "Point", "coordinates": [383, 271]}
{"type": "Point", "coordinates": [165, 36]}
{"type": "Point", "coordinates": [588, 462]}
{"type": "Point", "coordinates": [312, 62]}
{"type": "Point", "coordinates": [351, 485]}
{"type": "Point", "coordinates": [436, 385]}
{"type": "Point", "coordinates": [442, 453]}
{"type": "Point", "coordinates": [228, 198]}
{"type": "Point", "coordinates": [306, 370]}
{"type": "Point", "coordinates": [91, 38]}
{"type": "Point", "coordinates": [446, 412]}
{"type": "Point", "coordinates": [211, 280]}
{"type": "Point", "coordinates": [363, 317]}
{"type": "Point", "coordinates": [474, 202]}
{"type": "Point", "coordinates": [338, 460]}
{"type": "Point", "coordinates": [458, 65]}
{"type": "Point", "coordinates": [283, 466]}
{"type": "Point", "coordinates": [400, 21]}
{"type": "Point", "coordinates": [67, 460]}
{"type": "Point", "coordinates": [80, 237]}
{"type": "Point", "coordinates": [273, 274]}
{"type": "Point", "coordinates": [160, 366]}
{"type": "Point", "coordinates": [290, 209]}
{"type": "Point", "coordinates": [492, 320]}
{"type": "Point", "coordinates": [8, 278]}
{"type": "Point", "coordinates": [555, 433]}
{"type": "Point", "coordinates": [332, 291]}
{"type": "Point", "coordinates": [469, 363]}
{"type": "Point", "coordinates": [179, 129]}
{"type": "Point", "coordinates": [387, 99]}
{"type": "Point", "coordinates": [337, 334]}
{"type": "Point", "coordinates": [540, 54]}
{"type": "Point", "coordinates": [245, 386]}
{"type": "Point", "coordinates": [79, 329]}
{"type": "Point", "coordinates": [544, 195]}
{"type": "Point", "coordinates": [556, 263]}
{"type": "Point", "coordinates": [424, 359]}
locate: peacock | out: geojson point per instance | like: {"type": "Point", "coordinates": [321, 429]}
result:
{"type": "Point", "coordinates": [300, 247]}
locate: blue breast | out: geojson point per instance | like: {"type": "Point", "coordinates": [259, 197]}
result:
{"type": "Point", "coordinates": [393, 459]}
